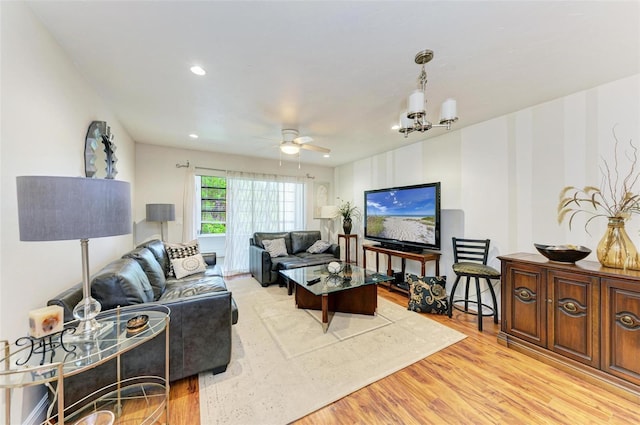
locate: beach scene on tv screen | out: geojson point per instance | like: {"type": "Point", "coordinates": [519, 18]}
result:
{"type": "Point", "coordinates": [404, 215]}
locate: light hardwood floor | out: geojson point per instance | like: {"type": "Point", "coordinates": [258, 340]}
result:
{"type": "Point", "coordinates": [476, 381]}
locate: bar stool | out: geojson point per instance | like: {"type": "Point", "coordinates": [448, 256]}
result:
{"type": "Point", "coordinates": [470, 261]}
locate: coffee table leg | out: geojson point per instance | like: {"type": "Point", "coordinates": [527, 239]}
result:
{"type": "Point", "coordinates": [325, 312]}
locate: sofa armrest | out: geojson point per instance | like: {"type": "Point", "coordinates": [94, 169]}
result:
{"type": "Point", "coordinates": [260, 264]}
{"type": "Point", "coordinates": [68, 300]}
{"type": "Point", "coordinates": [199, 333]}
{"type": "Point", "coordinates": [209, 258]}
{"type": "Point", "coordinates": [334, 249]}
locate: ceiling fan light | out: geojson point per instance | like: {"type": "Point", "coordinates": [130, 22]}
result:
{"type": "Point", "coordinates": [289, 148]}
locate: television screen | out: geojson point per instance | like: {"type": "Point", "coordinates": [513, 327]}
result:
{"type": "Point", "coordinates": [405, 218]}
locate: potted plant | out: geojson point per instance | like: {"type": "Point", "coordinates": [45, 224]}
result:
{"type": "Point", "coordinates": [617, 200]}
{"type": "Point", "coordinates": [348, 211]}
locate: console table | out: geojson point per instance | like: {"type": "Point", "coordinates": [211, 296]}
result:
{"type": "Point", "coordinates": [421, 257]}
{"type": "Point", "coordinates": [20, 368]}
{"type": "Point", "coordinates": [347, 247]}
{"type": "Point", "coordinates": [581, 318]}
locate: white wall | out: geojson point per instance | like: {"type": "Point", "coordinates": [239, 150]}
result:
{"type": "Point", "coordinates": [506, 173]}
{"type": "Point", "coordinates": [47, 107]}
{"type": "Point", "coordinates": [158, 180]}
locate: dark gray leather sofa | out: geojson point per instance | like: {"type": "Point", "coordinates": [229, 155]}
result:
{"type": "Point", "coordinates": [265, 269]}
{"type": "Point", "coordinates": [202, 313]}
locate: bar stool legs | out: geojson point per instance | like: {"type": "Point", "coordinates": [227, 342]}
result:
{"type": "Point", "coordinates": [483, 310]}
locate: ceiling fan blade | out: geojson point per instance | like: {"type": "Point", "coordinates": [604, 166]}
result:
{"type": "Point", "coordinates": [315, 148]}
{"type": "Point", "coordinates": [303, 139]}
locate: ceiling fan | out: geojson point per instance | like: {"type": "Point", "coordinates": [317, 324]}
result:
{"type": "Point", "coordinates": [292, 143]}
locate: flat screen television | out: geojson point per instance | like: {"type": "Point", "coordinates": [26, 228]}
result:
{"type": "Point", "coordinates": [404, 218]}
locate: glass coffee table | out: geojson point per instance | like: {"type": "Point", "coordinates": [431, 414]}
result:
{"type": "Point", "coordinates": [353, 290]}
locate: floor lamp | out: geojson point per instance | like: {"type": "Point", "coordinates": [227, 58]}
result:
{"type": "Point", "coordinates": [161, 213]}
{"type": "Point", "coordinates": [328, 212]}
{"type": "Point", "coordinates": [67, 208]}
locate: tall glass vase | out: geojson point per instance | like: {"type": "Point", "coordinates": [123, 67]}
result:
{"type": "Point", "coordinates": [616, 248]}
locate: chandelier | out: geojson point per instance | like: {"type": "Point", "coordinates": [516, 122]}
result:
{"type": "Point", "coordinates": [414, 118]}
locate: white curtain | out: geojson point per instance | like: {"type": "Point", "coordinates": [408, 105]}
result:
{"type": "Point", "coordinates": [259, 203]}
{"type": "Point", "coordinates": [189, 219]}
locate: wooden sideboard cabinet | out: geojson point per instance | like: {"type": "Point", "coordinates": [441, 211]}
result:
{"type": "Point", "coordinates": [582, 318]}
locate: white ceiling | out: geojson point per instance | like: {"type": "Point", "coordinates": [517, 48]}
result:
{"type": "Point", "coordinates": [339, 71]}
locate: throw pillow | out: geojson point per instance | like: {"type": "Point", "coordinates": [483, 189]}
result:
{"type": "Point", "coordinates": [428, 294]}
{"type": "Point", "coordinates": [275, 247]}
{"type": "Point", "coordinates": [318, 247]}
{"type": "Point", "coordinates": [183, 267]}
{"type": "Point", "coordinates": [181, 250]}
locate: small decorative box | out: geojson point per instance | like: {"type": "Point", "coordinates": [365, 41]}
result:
{"type": "Point", "coordinates": [46, 321]}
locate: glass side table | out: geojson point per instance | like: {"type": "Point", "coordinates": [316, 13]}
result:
{"type": "Point", "coordinates": [20, 367]}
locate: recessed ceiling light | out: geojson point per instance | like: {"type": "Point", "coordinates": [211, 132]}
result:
{"type": "Point", "coordinates": [395, 127]}
{"type": "Point", "coordinates": [198, 70]}
{"type": "Point", "coordinates": [193, 136]}
{"type": "Point", "coordinates": [326, 155]}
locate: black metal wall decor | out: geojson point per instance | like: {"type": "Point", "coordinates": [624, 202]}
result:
{"type": "Point", "coordinates": [99, 147]}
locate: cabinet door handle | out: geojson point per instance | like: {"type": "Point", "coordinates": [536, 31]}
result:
{"type": "Point", "coordinates": [524, 294]}
{"type": "Point", "coordinates": [550, 301]}
{"type": "Point", "coordinates": [570, 307]}
{"type": "Point", "coordinates": [628, 320]}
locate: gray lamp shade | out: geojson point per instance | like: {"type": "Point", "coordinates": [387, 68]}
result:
{"type": "Point", "coordinates": [161, 212]}
{"type": "Point", "coordinates": [65, 208]}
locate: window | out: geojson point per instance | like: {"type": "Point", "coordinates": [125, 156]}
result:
{"type": "Point", "coordinates": [259, 203]}
{"type": "Point", "coordinates": [275, 206]}
{"type": "Point", "coordinates": [213, 205]}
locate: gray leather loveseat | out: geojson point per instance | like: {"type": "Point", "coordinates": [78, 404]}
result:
{"type": "Point", "coordinates": [264, 268]}
{"type": "Point", "coordinates": [202, 313]}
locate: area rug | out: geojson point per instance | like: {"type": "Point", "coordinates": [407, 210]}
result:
{"type": "Point", "coordinates": [284, 367]}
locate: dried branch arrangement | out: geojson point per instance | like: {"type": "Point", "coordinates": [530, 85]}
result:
{"type": "Point", "coordinates": [616, 197]}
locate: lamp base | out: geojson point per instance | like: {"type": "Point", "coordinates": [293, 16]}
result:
{"type": "Point", "coordinates": [83, 335]}
{"type": "Point", "coordinates": [86, 311]}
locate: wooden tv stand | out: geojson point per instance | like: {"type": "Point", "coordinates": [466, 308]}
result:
{"type": "Point", "coordinates": [422, 257]}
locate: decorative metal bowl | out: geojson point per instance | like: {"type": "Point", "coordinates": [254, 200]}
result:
{"type": "Point", "coordinates": [137, 324]}
{"type": "Point", "coordinates": [100, 417]}
{"type": "Point", "coordinates": [563, 253]}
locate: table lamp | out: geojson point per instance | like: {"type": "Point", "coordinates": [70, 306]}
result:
{"type": "Point", "coordinates": [65, 208]}
{"type": "Point", "coordinates": [161, 213]}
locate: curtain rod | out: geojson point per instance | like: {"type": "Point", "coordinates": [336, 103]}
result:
{"type": "Point", "coordinates": [210, 169]}
{"type": "Point", "coordinates": [187, 165]}
{"type": "Point", "coordinates": [178, 165]}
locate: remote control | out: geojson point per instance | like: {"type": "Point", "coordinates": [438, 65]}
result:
{"type": "Point", "coordinates": [313, 281]}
